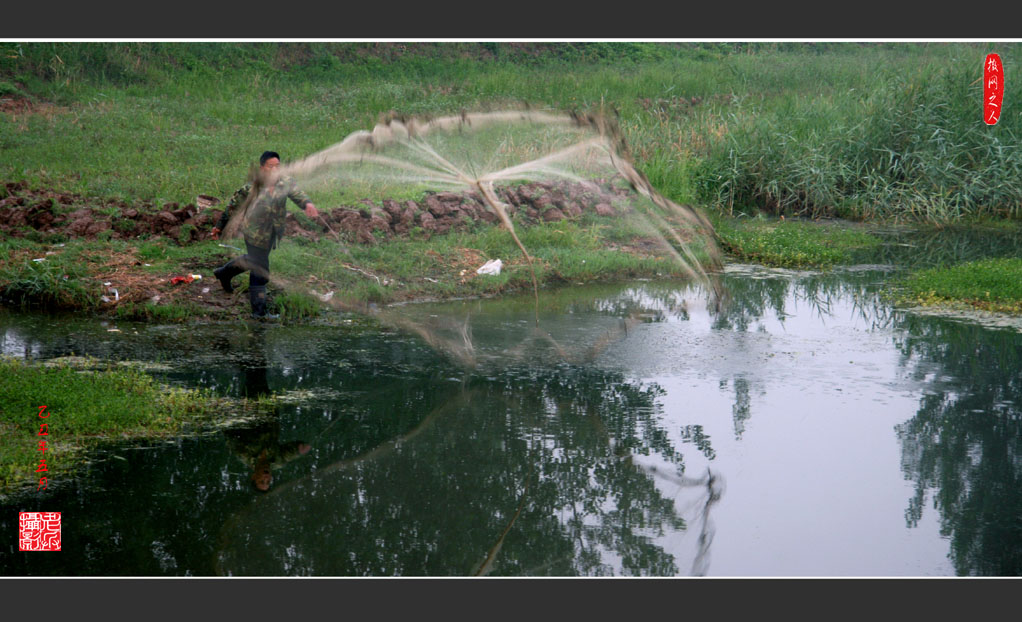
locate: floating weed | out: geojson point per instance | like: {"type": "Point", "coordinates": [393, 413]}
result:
{"type": "Point", "coordinates": [790, 243]}
{"type": "Point", "coordinates": [989, 284]}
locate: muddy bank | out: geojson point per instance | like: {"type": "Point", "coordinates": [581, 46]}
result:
{"type": "Point", "coordinates": [52, 216]}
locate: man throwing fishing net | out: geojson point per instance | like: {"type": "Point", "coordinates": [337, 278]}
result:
{"type": "Point", "coordinates": [262, 203]}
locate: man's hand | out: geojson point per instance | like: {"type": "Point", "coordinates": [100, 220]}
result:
{"type": "Point", "coordinates": [215, 233]}
{"type": "Point", "coordinates": [311, 211]}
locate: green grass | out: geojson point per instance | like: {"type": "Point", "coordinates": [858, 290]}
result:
{"type": "Point", "coordinates": [871, 131]}
{"type": "Point", "coordinates": [296, 306]}
{"type": "Point", "coordinates": [84, 406]}
{"type": "Point", "coordinates": [908, 146]}
{"type": "Point", "coordinates": [864, 131]}
{"type": "Point", "coordinates": [791, 243]}
{"type": "Point", "coordinates": [156, 312]}
{"type": "Point", "coordinates": [165, 255]}
{"type": "Point", "coordinates": [425, 266]}
{"type": "Point", "coordinates": [990, 284]}
{"type": "Point", "coordinates": [61, 280]}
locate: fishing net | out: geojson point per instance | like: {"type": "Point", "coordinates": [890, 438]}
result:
{"type": "Point", "coordinates": [511, 168]}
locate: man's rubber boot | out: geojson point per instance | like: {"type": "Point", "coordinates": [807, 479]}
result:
{"type": "Point", "coordinates": [225, 273]}
{"type": "Point", "coordinates": [257, 296]}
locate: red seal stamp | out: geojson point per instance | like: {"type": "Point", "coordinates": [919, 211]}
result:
{"type": "Point", "coordinates": [39, 531]}
{"type": "Point", "coordinates": [993, 88]}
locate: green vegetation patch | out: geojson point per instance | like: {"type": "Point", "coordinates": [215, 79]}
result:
{"type": "Point", "coordinates": [792, 243]}
{"type": "Point", "coordinates": [153, 312]}
{"type": "Point", "coordinates": [857, 130]}
{"type": "Point", "coordinates": [84, 406]}
{"type": "Point", "coordinates": [33, 275]}
{"type": "Point", "coordinates": [989, 284]}
{"type": "Point", "coordinates": [296, 306]}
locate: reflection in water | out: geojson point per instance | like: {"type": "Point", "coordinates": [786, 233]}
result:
{"type": "Point", "coordinates": [596, 446]}
{"type": "Point", "coordinates": [740, 411]}
{"type": "Point", "coordinates": [965, 442]}
{"type": "Point", "coordinates": [928, 247]}
{"type": "Point", "coordinates": [526, 475]}
{"type": "Point", "coordinates": [259, 447]}
{"type": "Point", "coordinates": [258, 444]}
{"type": "Point", "coordinates": [417, 466]}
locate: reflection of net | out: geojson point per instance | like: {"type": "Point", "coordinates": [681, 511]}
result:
{"type": "Point", "coordinates": [713, 484]}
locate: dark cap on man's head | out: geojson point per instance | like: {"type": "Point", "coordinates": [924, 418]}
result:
{"type": "Point", "coordinates": [267, 155]}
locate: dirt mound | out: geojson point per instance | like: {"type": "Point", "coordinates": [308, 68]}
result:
{"type": "Point", "coordinates": [50, 215]}
{"type": "Point", "coordinates": [442, 212]}
{"type": "Point", "coordinates": [26, 212]}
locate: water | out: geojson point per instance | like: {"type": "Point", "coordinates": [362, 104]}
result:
{"type": "Point", "coordinates": [807, 430]}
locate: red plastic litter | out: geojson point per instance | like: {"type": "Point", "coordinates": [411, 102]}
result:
{"type": "Point", "coordinates": [181, 279]}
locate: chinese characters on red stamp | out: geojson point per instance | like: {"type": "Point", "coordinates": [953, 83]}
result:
{"type": "Point", "coordinates": [39, 531]}
{"type": "Point", "coordinates": [993, 88]}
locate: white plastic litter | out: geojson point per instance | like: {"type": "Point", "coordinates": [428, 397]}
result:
{"type": "Point", "coordinates": [492, 266]}
{"type": "Point", "coordinates": [40, 259]}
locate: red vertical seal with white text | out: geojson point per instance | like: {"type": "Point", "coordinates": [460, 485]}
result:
{"type": "Point", "coordinates": [993, 88]}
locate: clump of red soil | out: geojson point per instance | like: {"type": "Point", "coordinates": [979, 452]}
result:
{"type": "Point", "coordinates": [25, 211]}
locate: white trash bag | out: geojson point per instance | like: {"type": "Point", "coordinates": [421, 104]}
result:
{"type": "Point", "coordinates": [492, 266]}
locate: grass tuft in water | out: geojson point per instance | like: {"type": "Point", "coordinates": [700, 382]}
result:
{"type": "Point", "coordinates": [100, 402]}
{"type": "Point", "coordinates": [989, 284]}
{"type": "Point", "coordinates": [296, 305]}
{"type": "Point", "coordinates": [791, 243]}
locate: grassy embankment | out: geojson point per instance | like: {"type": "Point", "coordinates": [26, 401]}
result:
{"type": "Point", "coordinates": [87, 403]}
{"type": "Point", "coordinates": [862, 132]}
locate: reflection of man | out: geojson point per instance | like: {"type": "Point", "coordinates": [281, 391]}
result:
{"type": "Point", "coordinates": [260, 449]}
{"type": "Point", "coordinates": [264, 227]}
{"type": "Point", "coordinates": [259, 446]}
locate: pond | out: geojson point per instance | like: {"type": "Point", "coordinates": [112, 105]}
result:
{"type": "Point", "coordinates": [804, 428]}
